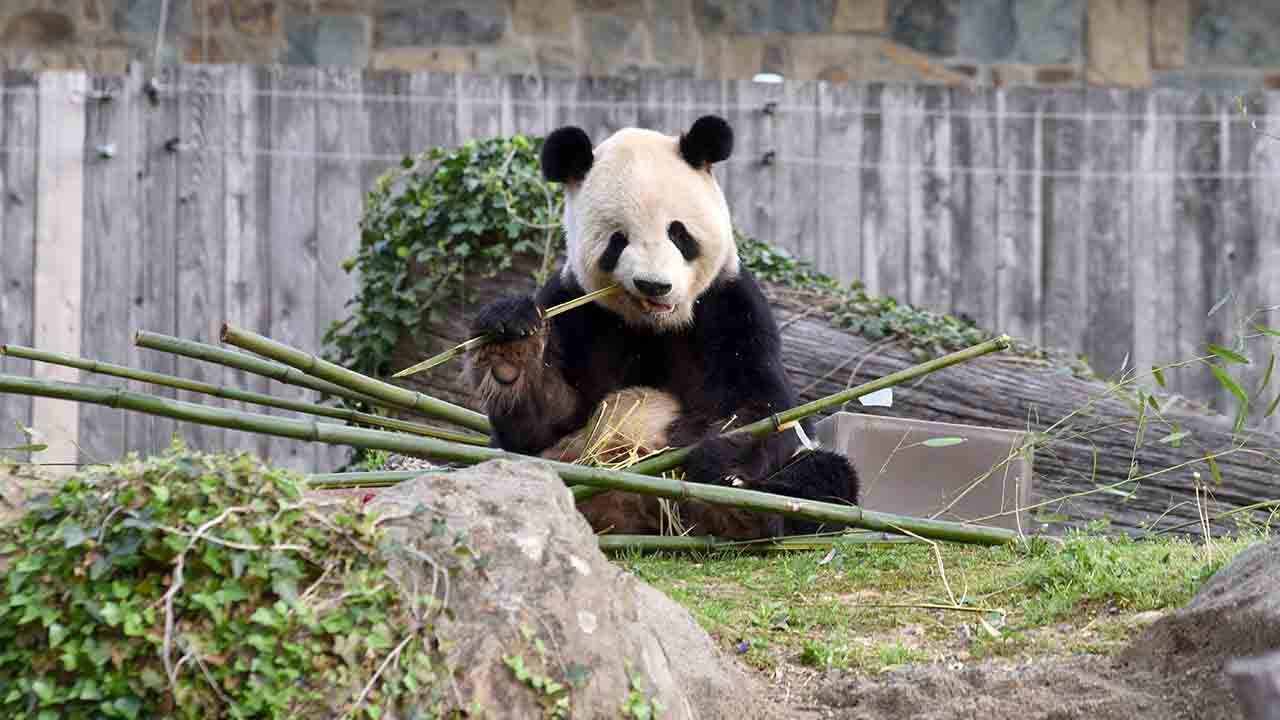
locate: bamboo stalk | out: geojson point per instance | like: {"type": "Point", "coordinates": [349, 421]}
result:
{"type": "Point", "coordinates": [242, 361]}
{"type": "Point", "coordinates": [363, 479]}
{"type": "Point", "coordinates": [314, 431]}
{"type": "Point", "coordinates": [120, 371]}
{"type": "Point", "coordinates": [476, 342]}
{"type": "Point", "coordinates": [674, 458]}
{"type": "Point", "coordinates": [386, 392]}
{"type": "Point", "coordinates": [689, 543]}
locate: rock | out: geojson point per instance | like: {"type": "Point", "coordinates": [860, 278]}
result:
{"type": "Point", "coordinates": [38, 28]}
{"type": "Point", "coordinates": [327, 40]}
{"type": "Point", "coordinates": [1227, 32]}
{"type": "Point", "coordinates": [1236, 613]}
{"type": "Point", "coordinates": [545, 584]}
{"type": "Point", "coordinates": [612, 42]}
{"type": "Point", "coordinates": [1119, 43]}
{"type": "Point", "coordinates": [1170, 29]}
{"type": "Point", "coordinates": [542, 17]}
{"type": "Point", "coordinates": [438, 59]}
{"type": "Point", "coordinates": [143, 16]}
{"type": "Point", "coordinates": [406, 23]}
{"type": "Point", "coordinates": [674, 38]}
{"type": "Point", "coordinates": [1256, 682]}
{"type": "Point", "coordinates": [764, 16]}
{"type": "Point", "coordinates": [859, 16]}
{"type": "Point", "coordinates": [1029, 31]}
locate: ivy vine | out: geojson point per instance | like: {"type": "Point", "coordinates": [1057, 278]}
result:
{"type": "Point", "coordinates": [195, 585]}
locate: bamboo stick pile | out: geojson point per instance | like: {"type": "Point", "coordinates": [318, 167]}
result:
{"type": "Point", "coordinates": [466, 441]}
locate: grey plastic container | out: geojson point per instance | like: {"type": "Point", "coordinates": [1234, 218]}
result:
{"type": "Point", "coordinates": [900, 474]}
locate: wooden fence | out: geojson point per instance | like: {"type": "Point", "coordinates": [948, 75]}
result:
{"type": "Point", "coordinates": [1107, 222]}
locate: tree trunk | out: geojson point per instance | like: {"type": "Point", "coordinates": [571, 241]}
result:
{"type": "Point", "coordinates": [1094, 448]}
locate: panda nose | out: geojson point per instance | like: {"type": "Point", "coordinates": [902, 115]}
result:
{"type": "Point", "coordinates": [653, 289]}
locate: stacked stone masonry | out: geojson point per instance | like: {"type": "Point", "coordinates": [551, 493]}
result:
{"type": "Point", "coordinates": [1211, 44]}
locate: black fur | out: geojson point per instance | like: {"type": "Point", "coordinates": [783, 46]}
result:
{"type": "Point", "coordinates": [709, 141]}
{"type": "Point", "coordinates": [567, 155]}
{"type": "Point", "coordinates": [727, 364]}
{"type": "Point", "coordinates": [508, 319]}
{"type": "Point", "coordinates": [683, 241]}
{"type": "Point", "coordinates": [609, 258]}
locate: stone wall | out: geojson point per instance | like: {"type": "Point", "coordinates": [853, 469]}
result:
{"type": "Point", "coordinates": [1218, 44]}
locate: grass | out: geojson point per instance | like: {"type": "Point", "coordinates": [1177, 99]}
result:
{"type": "Point", "coordinates": [859, 607]}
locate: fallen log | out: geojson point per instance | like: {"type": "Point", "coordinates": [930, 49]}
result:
{"type": "Point", "coordinates": [1087, 451]}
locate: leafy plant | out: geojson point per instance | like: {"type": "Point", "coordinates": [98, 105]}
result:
{"type": "Point", "coordinates": [197, 586]}
{"type": "Point", "coordinates": [439, 218]}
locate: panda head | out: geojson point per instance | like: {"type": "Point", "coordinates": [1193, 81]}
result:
{"type": "Point", "coordinates": [643, 210]}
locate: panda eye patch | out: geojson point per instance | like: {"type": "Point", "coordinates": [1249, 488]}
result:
{"type": "Point", "coordinates": [683, 241]}
{"type": "Point", "coordinates": [609, 260]}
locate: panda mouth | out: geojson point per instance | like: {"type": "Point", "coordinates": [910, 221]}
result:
{"type": "Point", "coordinates": [650, 307]}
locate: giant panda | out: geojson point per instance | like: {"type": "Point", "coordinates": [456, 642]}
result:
{"type": "Point", "coordinates": [690, 348]}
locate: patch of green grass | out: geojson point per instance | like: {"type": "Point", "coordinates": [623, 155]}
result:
{"type": "Point", "coordinates": [863, 610]}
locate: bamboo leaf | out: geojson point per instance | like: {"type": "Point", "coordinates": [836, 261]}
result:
{"type": "Point", "coordinates": [1229, 355]}
{"type": "Point", "coordinates": [1272, 407]}
{"type": "Point", "coordinates": [943, 442]}
{"type": "Point", "coordinates": [1267, 331]}
{"type": "Point", "coordinates": [1231, 385]}
{"type": "Point", "coordinates": [1159, 375]}
{"type": "Point", "coordinates": [37, 447]}
{"type": "Point", "coordinates": [1213, 468]}
{"type": "Point", "coordinates": [1218, 305]}
{"type": "Point", "coordinates": [1266, 377]}
{"type": "Point", "coordinates": [1175, 439]}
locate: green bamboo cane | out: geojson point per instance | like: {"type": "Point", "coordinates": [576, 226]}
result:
{"type": "Point", "coordinates": [675, 458]}
{"type": "Point", "coordinates": [241, 361]}
{"type": "Point", "coordinates": [120, 371]}
{"type": "Point", "coordinates": [393, 395]}
{"type": "Point", "coordinates": [363, 479]}
{"type": "Point", "coordinates": [476, 342]}
{"type": "Point", "coordinates": [313, 431]}
{"type": "Point", "coordinates": [690, 543]}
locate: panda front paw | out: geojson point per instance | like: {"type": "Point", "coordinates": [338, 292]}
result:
{"type": "Point", "coordinates": [508, 319]}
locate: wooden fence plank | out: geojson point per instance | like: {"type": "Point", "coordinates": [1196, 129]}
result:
{"type": "Point", "coordinates": [1155, 250]}
{"type": "Point", "coordinates": [752, 173]}
{"type": "Point", "coordinates": [528, 107]}
{"type": "Point", "coordinates": [839, 199]}
{"type": "Point", "coordinates": [1066, 269]}
{"type": "Point", "coordinates": [292, 232]}
{"type": "Point", "coordinates": [1109, 327]}
{"type": "Point", "coordinates": [18, 124]}
{"type": "Point", "coordinates": [109, 178]}
{"type": "Point", "coordinates": [974, 190]}
{"type": "Point", "coordinates": [245, 262]}
{"type": "Point", "coordinates": [479, 106]}
{"type": "Point", "coordinates": [891, 248]}
{"type": "Point", "coordinates": [200, 257]}
{"type": "Point", "coordinates": [1018, 264]}
{"type": "Point", "coordinates": [1266, 222]}
{"type": "Point", "coordinates": [152, 257]}
{"type": "Point", "coordinates": [796, 187]}
{"type": "Point", "coordinates": [342, 128]}
{"type": "Point", "coordinates": [929, 200]}
{"type": "Point", "coordinates": [1198, 203]}
{"type": "Point", "coordinates": [871, 195]}
{"type": "Point", "coordinates": [1241, 253]}
{"type": "Point", "coordinates": [59, 255]}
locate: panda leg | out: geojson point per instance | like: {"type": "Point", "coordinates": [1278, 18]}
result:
{"type": "Point", "coordinates": [819, 475]}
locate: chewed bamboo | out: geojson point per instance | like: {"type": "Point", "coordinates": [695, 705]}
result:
{"type": "Point", "coordinates": [154, 378]}
{"type": "Point", "coordinates": [475, 342]}
{"type": "Point", "coordinates": [689, 543]}
{"type": "Point", "coordinates": [314, 431]}
{"type": "Point", "coordinates": [384, 391]}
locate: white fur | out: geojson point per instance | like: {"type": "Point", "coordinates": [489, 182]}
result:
{"type": "Point", "coordinates": [639, 184]}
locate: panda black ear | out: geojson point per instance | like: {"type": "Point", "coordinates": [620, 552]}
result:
{"type": "Point", "coordinates": [566, 155]}
{"type": "Point", "coordinates": [710, 140]}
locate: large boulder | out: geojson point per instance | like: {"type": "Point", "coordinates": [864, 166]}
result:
{"type": "Point", "coordinates": [549, 604]}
